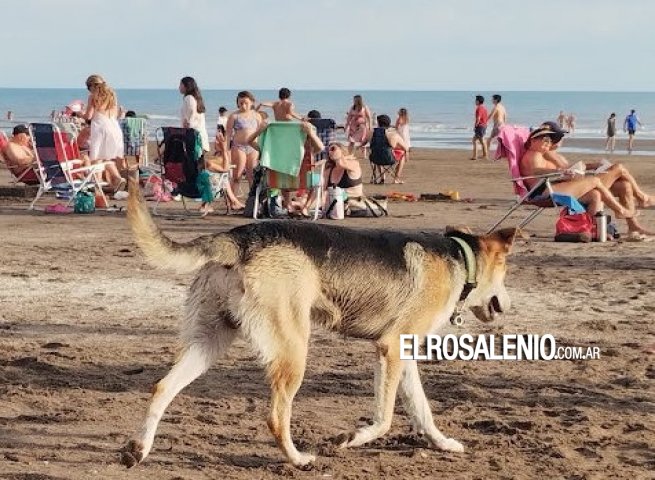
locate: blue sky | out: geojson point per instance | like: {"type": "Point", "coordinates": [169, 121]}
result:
{"type": "Point", "coordinates": [332, 44]}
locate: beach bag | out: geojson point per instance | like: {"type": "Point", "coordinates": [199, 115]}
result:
{"type": "Point", "coordinates": [577, 227]}
{"type": "Point", "coordinates": [85, 202]}
{"type": "Point", "coordinates": [335, 205]}
{"type": "Point", "coordinates": [375, 206]}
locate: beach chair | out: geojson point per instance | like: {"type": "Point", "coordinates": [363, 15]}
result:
{"type": "Point", "coordinates": [135, 137]}
{"type": "Point", "coordinates": [58, 165]}
{"type": "Point", "coordinates": [383, 158]}
{"type": "Point", "coordinates": [179, 152]}
{"type": "Point", "coordinates": [281, 161]}
{"type": "Point", "coordinates": [25, 175]}
{"type": "Point", "coordinates": [511, 146]}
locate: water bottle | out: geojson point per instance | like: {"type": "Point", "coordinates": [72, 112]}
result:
{"type": "Point", "coordinates": [601, 227]}
{"type": "Point", "coordinates": [335, 204]}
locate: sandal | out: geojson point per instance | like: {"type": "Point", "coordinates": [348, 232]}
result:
{"type": "Point", "coordinates": [120, 186]}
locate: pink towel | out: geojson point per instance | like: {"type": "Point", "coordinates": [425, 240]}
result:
{"type": "Point", "coordinates": [511, 145]}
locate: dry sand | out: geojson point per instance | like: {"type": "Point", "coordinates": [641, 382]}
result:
{"type": "Point", "coordinates": [86, 329]}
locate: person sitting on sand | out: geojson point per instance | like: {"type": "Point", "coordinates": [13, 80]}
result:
{"type": "Point", "coordinates": [385, 142]}
{"type": "Point", "coordinates": [283, 110]}
{"type": "Point", "coordinates": [343, 170]}
{"type": "Point", "coordinates": [541, 158]}
{"type": "Point", "coordinates": [18, 152]}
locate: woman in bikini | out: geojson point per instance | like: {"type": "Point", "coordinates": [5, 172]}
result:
{"type": "Point", "coordinates": [358, 123]}
{"type": "Point", "coordinates": [241, 126]}
{"type": "Point", "coordinates": [343, 170]}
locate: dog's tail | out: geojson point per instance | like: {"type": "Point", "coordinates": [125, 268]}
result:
{"type": "Point", "coordinates": [163, 252]}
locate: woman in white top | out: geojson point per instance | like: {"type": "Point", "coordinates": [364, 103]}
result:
{"type": "Point", "coordinates": [106, 136]}
{"type": "Point", "coordinates": [193, 110]}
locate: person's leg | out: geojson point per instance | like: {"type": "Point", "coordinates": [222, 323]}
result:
{"type": "Point", "coordinates": [613, 144]}
{"type": "Point", "coordinates": [474, 155]}
{"type": "Point", "coordinates": [581, 186]}
{"type": "Point", "coordinates": [630, 140]}
{"type": "Point", "coordinates": [607, 143]}
{"type": "Point", "coordinates": [239, 162]}
{"type": "Point", "coordinates": [399, 169]}
{"type": "Point", "coordinates": [593, 202]}
{"type": "Point", "coordinates": [619, 172]}
{"type": "Point", "coordinates": [623, 190]}
{"type": "Point", "coordinates": [485, 150]}
{"type": "Point", "coordinates": [252, 160]}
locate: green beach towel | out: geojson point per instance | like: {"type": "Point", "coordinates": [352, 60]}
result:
{"type": "Point", "coordinates": [282, 147]}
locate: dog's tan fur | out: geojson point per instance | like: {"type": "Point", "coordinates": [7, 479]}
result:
{"type": "Point", "coordinates": [268, 282]}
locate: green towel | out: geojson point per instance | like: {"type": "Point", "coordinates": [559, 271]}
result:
{"type": "Point", "coordinates": [282, 147]}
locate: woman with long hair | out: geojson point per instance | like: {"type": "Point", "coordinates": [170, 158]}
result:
{"type": "Point", "coordinates": [402, 127]}
{"type": "Point", "coordinates": [241, 127]}
{"type": "Point", "coordinates": [358, 123]}
{"type": "Point", "coordinates": [106, 137]}
{"type": "Point", "coordinates": [193, 110]}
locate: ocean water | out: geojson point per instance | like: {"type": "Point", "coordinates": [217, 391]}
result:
{"type": "Point", "coordinates": [439, 119]}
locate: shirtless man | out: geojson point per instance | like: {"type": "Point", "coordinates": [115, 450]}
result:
{"type": "Point", "coordinates": [561, 118]}
{"type": "Point", "coordinates": [498, 116]}
{"type": "Point", "coordinates": [541, 157]}
{"type": "Point", "coordinates": [283, 108]}
{"type": "Point", "coordinates": [18, 153]}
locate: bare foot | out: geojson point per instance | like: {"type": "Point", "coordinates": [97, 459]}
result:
{"type": "Point", "coordinates": [398, 180]}
{"type": "Point", "coordinates": [646, 201]}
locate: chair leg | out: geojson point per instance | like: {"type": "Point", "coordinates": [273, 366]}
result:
{"type": "Point", "coordinates": [531, 217]}
{"type": "Point", "coordinates": [38, 195]}
{"type": "Point", "coordinates": [509, 212]}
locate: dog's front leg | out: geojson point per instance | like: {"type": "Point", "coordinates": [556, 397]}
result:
{"type": "Point", "coordinates": [418, 408]}
{"type": "Point", "coordinates": [194, 362]}
{"type": "Point", "coordinates": [388, 368]}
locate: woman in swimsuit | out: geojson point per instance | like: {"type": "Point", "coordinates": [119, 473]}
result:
{"type": "Point", "coordinates": [343, 170]}
{"type": "Point", "coordinates": [358, 123]}
{"type": "Point", "coordinates": [241, 126]}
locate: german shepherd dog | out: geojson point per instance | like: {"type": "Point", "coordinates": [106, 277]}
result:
{"type": "Point", "coordinates": [268, 282]}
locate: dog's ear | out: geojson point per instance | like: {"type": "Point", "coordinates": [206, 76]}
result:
{"type": "Point", "coordinates": [459, 228]}
{"type": "Point", "coordinates": [506, 237]}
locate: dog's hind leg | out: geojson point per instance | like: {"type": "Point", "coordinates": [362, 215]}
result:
{"type": "Point", "coordinates": [194, 360]}
{"type": "Point", "coordinates": [418, 408]}
{"type": "Point", "coordinates": [387, 375]}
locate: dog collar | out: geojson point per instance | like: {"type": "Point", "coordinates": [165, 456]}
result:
{"type": "Point", "coordinates": [471, 267]}
{"type": "Point", "coordinates": [471, 279]}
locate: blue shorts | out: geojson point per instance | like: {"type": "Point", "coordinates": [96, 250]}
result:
{"type": "Point", "coordinates": [631, 131]}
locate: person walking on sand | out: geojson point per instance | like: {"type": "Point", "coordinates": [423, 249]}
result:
{"type": "Point", "coordinates": [358, 123]}
{"type": "Point", "coordinates": [402, 127]}
{"type": "Point", "coordinates": [480, 127]}
{"type": "Point", "coordinates": [611, 133]}
{"type": "Point", "coordinates": [498, 116]}
{"type": "Point", "coordinates": [630, 125]}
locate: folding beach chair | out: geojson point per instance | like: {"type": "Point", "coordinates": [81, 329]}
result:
{"type": "Point", "coordinates": [382, 157]}
{"type": "Point", "coordinates": [511, 141]}
{"type": "Point", "coordinates": [58, 165]}
{"type": "Point", "coordinates": [135, 137]}
{"type": "Point", "coordinates": [282, 154]}
{"type": "Point", "coordinates": [179, 154]}
{"type": "Point", "coordinates": [25, 175]}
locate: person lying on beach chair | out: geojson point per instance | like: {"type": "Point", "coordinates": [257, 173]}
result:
{"type": "Point", "coordinates": [18, 153]}
{"type": "Point", "coordinates": [541, 158]}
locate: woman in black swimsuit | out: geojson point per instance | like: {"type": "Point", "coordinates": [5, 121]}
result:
{"type": "Point", "coordinates": [343, 170]}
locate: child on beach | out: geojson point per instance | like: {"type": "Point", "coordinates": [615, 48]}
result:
{"type": "Point", "coordinates": [211, 181]}
{"type": "Point", "coordinates": [283, 110]}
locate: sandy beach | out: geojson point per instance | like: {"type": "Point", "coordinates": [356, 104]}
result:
{"type": "Point", "coordinates": [87, 328]}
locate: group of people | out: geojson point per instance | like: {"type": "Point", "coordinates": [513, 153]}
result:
{"type": "Point", "coordinates": [630, 125]}
{"type": "Point", "coordinates": [482, 117]}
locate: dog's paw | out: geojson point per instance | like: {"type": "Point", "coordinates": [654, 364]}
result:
{"type": "Point", "coordinates": [132, 453]}
{"type": "Point", "coordinates": [304, 461]}
{"type": "Point", "coordinates": [343, 439]}
{"type": "Point", "coordinates": [450, 445]}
